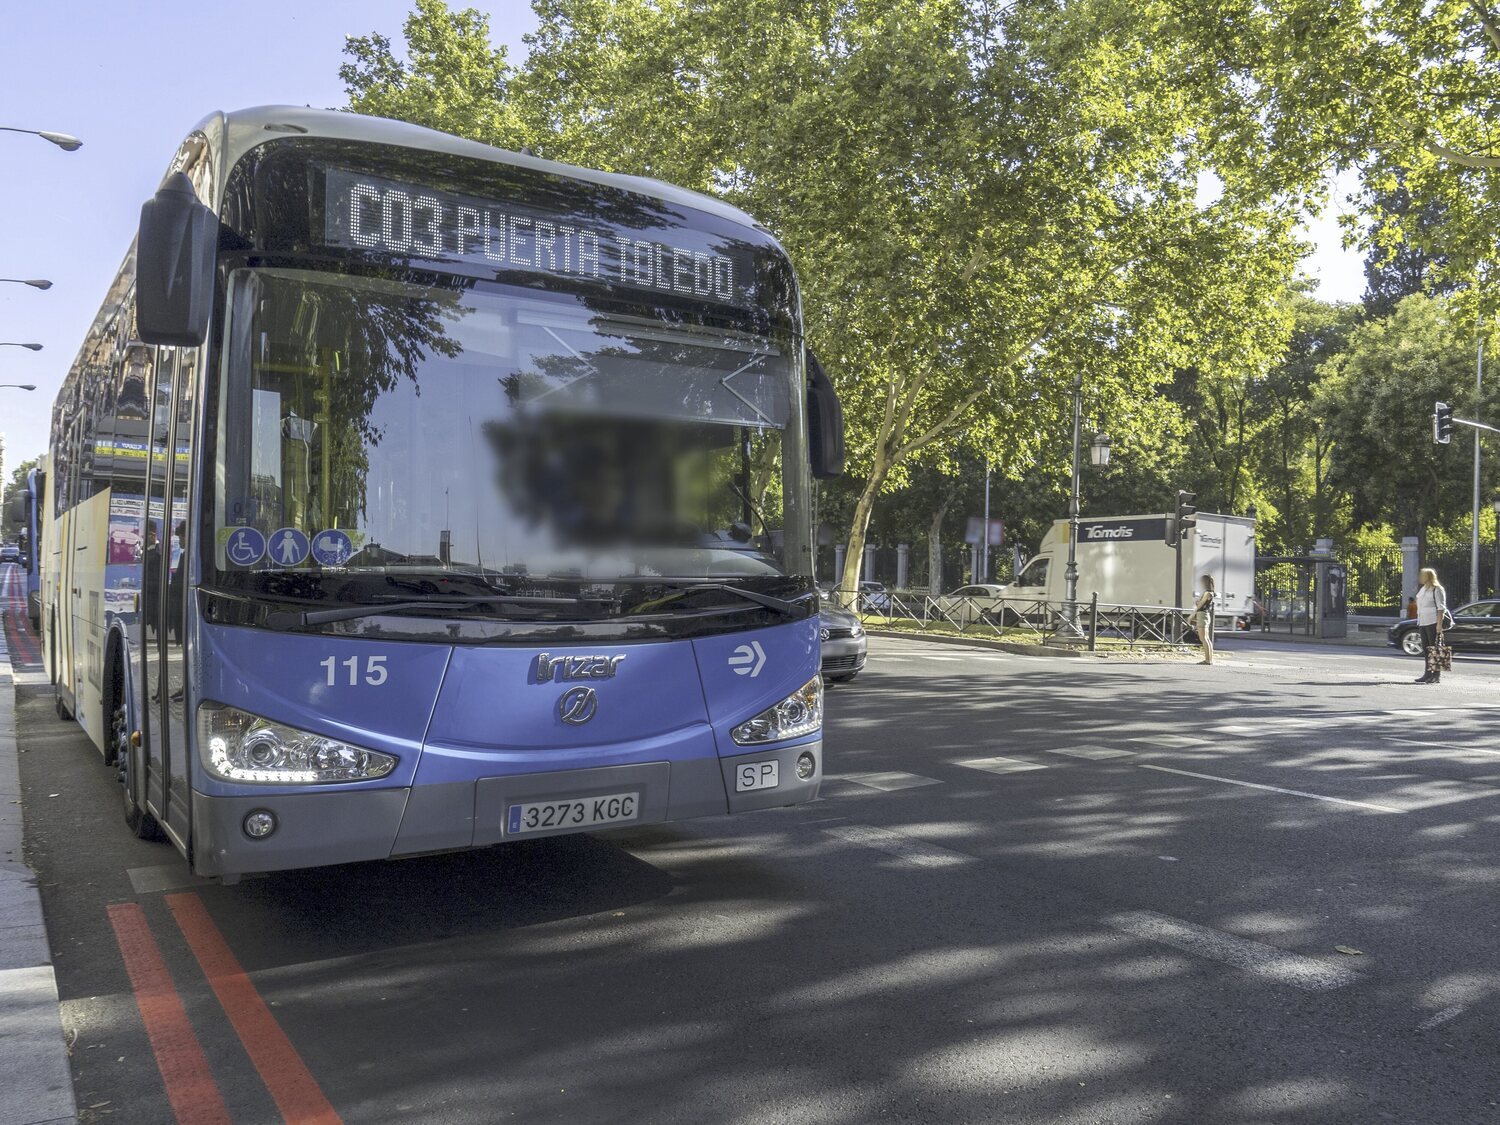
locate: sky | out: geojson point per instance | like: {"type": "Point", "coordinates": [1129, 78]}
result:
{"type": "Point", "coordinates": [131, 79]}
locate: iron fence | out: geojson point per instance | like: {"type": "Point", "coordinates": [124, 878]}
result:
{"type": "Point", "coordinates": [1032, 619]}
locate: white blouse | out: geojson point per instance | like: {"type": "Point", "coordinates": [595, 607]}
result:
{"type": "Point", "coordinates": [1432, 601]}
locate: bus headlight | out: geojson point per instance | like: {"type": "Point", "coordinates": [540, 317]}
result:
{"type": "Point", "coordinates": [798, 714]}
{"type": "Point", "coordinates": [239, 746]}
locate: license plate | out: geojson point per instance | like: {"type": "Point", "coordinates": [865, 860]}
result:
{"type": "Point", "coordinates": [757, 775]}
{"type": "Point", "coordinates": [581, 812]}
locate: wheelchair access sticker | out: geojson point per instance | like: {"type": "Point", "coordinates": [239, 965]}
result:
{"type": "Point", "coordinates": [245, 546]}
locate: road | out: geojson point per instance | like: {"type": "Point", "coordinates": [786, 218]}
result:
{"type": "Point", "coordinates": [1036, 891]}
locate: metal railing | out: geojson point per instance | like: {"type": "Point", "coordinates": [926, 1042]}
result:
{"type": "Point", "coordinates": [1028, 619]}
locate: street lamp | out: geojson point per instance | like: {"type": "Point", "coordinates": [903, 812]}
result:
{"type": "Point", "coordinates": [63, 141]}
{"type": "Point", "coordinates": [20, 386]}
{"type": "Point", "coordinates": [1099, 451]}
{"type": "Point", "coordinates": [14, 344]}
{"type": "Point", "coordinates": [1099, 454]}
{"type": "Point", "coordinates": [34, 282]}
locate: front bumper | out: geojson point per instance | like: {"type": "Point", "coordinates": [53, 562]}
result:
{"type": "Point", "coordinates": [350, 825]}
{"type": "Point", "coordinates": [844, 656]}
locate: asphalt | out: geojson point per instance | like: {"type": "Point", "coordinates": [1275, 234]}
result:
{"type": "Point", "coordinates": [1035, 891]}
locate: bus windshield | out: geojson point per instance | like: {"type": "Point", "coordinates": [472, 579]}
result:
{"type": "Point", "coordinates": [368, 426]}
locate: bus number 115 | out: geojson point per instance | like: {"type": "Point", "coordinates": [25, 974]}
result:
{"type": "Point", "coordinates": [375, 670]}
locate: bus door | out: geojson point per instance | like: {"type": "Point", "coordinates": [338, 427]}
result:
{"type": "Point", "coordinates": [175, 558]}
{"type": "Point", "coordinates": [157, 651]}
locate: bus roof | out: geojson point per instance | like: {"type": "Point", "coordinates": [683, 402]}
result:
{"type": "Point", "coordinates": [243, 129]}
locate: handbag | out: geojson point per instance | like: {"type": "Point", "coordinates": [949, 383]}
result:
{"type": "Point", "coordinates": [1442, 655]}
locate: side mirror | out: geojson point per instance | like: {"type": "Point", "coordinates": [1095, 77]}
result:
{"type": "Point", "coordinates": [174, 266]}
{"type": "Point", "coordinates": [825, 423]}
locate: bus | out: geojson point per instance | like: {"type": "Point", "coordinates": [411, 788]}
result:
{"type": "Point", "coordinates": [409, 495]}
{"type": "Point", "coordinates": [24, 511]}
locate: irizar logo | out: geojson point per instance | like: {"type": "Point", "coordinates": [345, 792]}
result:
{"type": "Point", "coordinates": [1099, 532]}
{"type": "Point", "coordinates": [549, 668]}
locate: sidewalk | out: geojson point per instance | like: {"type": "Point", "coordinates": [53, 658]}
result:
{"type": "Point", "coordinates": [36, 1078]}
{"type": "Point", "coordinates": [1365, 637]}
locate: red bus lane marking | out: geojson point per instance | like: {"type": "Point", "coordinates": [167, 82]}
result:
{"type": "Point", "coordinates": [292, 1086]}
{"type": "Point", "coordinates": [191, 1089]}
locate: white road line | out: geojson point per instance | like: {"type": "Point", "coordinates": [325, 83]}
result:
{"type": "Point", "coordinates": [1275, 789]}
{"type": "Point", "coordinates": [911, 853]}
{"type": "Point", "coordinates": [1440, 1018]}
{"type": "Point", "coordinates": [1266, 961]}
{"type": "Point", "coordinates": [1447, 744]}
{"type": "Point", "coordinates": [1093, 753]}
{"type": "Point", "coordinates": [1000, 765]}
{"type": "Point", "coordinates": [1176, 740]}
{"type": "Point", "coordinates": [889, 782]}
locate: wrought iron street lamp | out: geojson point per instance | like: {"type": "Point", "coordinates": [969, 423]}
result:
{"type": "Point", "coordinates": [1099, 450]}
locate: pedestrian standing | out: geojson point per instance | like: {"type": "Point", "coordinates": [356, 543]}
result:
{"type": "Point", "coordinates": [1432, 608]}
{"type": "Point", "coordinates": [1203, 617]}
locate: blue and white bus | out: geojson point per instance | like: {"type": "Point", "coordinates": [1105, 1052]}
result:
{"type": "Point", "coordinates": [411, 495]}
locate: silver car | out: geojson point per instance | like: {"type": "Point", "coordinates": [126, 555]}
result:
{"type": "Point", "coordinates": [844, 644]}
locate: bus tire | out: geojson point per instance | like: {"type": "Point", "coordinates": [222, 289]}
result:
{"type": "Point", "coordinates": [140, 822]}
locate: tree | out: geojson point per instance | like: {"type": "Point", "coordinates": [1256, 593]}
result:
{"type": "Point", "coordinates": [982, 199]}
{"type": "Point", "coordinates": [1377, 399]}
{"type": "Point", "coordinates": [1404, 90]}
{"type": "Point", "coordinates": [17, 483]}
{"type": "Point", "coordinates": [1292, 458]}
{"type": "Point", "coordinates": [1397, 266]}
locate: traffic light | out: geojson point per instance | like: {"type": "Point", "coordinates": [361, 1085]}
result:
{"type": "Point", "coordinates": [1442, 423]}
{"type": "Point", "coordinates": [1187, 513]}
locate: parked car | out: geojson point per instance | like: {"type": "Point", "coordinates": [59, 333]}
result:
{"type": "Point", "coordinates": [1475, 628]}
{"type": "Point", "coordinates": [874, 598]}
{"type": "Point", "coordinates": [844, 644]}
{"type": "Point", "coordinates": [10, 553]}
{"type": "Point", "coordinates": [968, 604]}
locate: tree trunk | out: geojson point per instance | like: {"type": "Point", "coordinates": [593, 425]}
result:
{"type": "Point", "coordinates": [863, 508]}
{"type": "Point", "coordinates": [935, 549]}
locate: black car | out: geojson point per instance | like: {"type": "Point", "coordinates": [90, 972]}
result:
{"type": "Point", "coordinates": [1475, 628]}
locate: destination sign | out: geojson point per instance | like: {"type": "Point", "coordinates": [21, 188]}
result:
{"type": "Point", "coordinates": [371, 213]}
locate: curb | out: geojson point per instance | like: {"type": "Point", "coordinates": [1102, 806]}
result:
{"type": "Point", "coordinates": [979, 642]}
{"type": "Point", "coordinates": [35, 1071]}
{"type": "Point", "coordinates": [1116, 656]}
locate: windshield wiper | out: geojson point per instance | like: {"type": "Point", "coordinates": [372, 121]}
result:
{"type": "Point", "coordinates": [284, 619]}
{"type": "Point", "coordinates": [780, 605]}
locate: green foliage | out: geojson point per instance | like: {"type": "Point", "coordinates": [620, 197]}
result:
{"type": "Point", "coordinates": [1376, 400]}
{"type": "Point", "coordinates": [16, 483]}
{"type": "Point", "coordinates": [1405, 90]}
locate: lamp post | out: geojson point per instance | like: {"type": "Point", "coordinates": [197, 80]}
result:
{"type": "Point", "coordinates": [20, 386]}
{"type": "Point", "coordinates": [64, 141]}
{"type": "Point", "coordinates": [14, 344]}
{"type": "Point", "coordinates": [1099, 451]}
{"type": "Point", "coordinates": [34, 282]}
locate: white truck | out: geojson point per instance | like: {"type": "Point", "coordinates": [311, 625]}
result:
{"type": "Point", "coordinates": [1126, 560]}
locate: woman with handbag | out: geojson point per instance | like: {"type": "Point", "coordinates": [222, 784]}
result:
{"type": "Point", "coordinates": [1432, 609]}
{"type": "Point", "coordinates": [1203, 617]}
